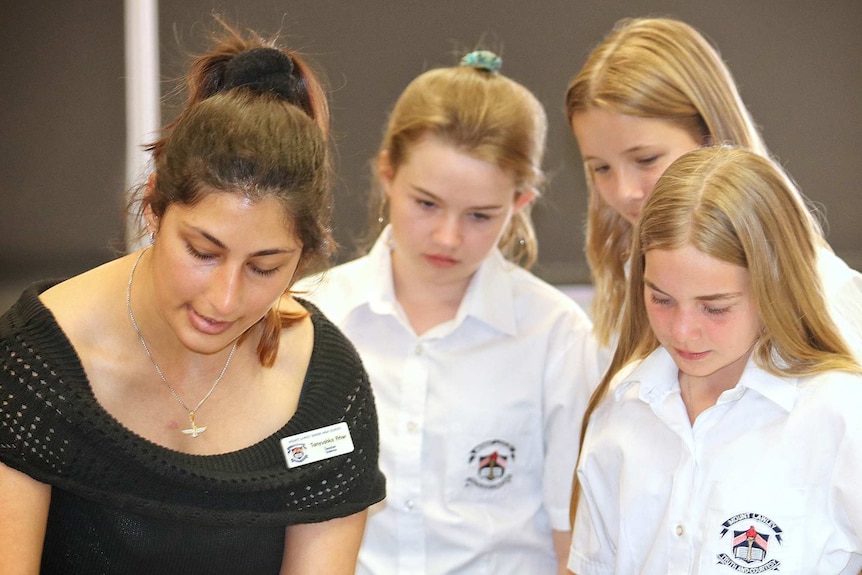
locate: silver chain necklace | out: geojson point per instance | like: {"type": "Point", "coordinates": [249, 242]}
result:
{"type": "Point", "coordinates": [194, 430]}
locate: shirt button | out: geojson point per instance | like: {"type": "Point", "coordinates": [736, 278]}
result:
{"type": "Point", "coordinates": [409, 505]}
{"type": "Point", "coordinates": [419, 349]}
{"type": "Point", "coordinates": [412, 426]}
{"type": "Point", "coordinates": [679, 530]}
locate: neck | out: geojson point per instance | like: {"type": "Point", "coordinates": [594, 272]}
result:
{"type": "Point", "coordinates": [699, 393]}
{"type": "Point", "coordinates": [426, 303]}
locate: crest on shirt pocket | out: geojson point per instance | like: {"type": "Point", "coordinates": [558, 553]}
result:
{"type": "Point", "coordinates": [749, 536]}
{"type": "Point", "coordinates": [491, 461]}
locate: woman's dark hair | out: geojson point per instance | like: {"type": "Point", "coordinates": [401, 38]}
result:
{"type": "Point", "coordinates": [255, 123]}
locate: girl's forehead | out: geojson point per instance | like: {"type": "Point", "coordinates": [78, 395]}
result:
{"type": "Point", "coordinates": [688, 271]}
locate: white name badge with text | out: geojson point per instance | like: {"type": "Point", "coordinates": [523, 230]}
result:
{"type": "Point", "coordinates": [317, 444]}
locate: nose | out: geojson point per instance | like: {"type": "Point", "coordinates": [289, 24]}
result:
{"type": "Point", "coordinates": [684, 326]}
{"type": "Point", "coordinates": [630, 188]}
{"type": "Point", "coordinates": [225, 291]}
{"type": "Point", "coordinates": [448, 231]}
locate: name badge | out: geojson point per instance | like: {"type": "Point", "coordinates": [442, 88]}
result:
{"type": "Point", "coordinates": [317, 444]}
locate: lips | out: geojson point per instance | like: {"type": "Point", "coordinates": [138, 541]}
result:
{"type": "Point", "coordinates": [207, 325]}
{"type": "Point", "coordinates": [440, 260]}
{"type": "Point", "coordinates": [691, 355]}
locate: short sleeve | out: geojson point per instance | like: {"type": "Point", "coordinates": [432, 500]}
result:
{"type": "Point", "coordinates": [571, 375]}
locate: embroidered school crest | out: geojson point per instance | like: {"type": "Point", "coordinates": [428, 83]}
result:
{"type": "Point", "coordinates": [491, 459]}
{"type": "Point", "coordinates": [749, 547]}
{"type": "Point", "coordinates": [297, 452]}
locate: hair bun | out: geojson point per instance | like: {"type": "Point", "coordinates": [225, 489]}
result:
{"type": "Point", "coordinates": [483, 60]}
{"type": "Point", "coordinates": [263, 70]}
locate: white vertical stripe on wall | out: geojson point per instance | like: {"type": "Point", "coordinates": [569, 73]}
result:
{"type": "Point", "coordinates": [142, 96]}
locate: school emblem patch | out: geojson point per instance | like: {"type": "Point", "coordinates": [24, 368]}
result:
{"type": "Point", "coordinates": [492, 460]}
{"type": "Point", "coordinates": [752, 534]}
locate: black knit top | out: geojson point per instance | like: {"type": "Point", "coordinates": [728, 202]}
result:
{"type": "Point", "coordinates": [122, 504]}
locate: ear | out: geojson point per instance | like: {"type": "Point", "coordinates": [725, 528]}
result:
{"type": "Point", "coordinates": [150, 218]}
{"type": "Point", "coordinates": [524, 197]}
{"type": "Point", "coordinates": [385, 171]}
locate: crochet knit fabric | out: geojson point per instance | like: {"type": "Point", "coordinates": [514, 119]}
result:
{"type": "Point", "coordinates": [137, 506]}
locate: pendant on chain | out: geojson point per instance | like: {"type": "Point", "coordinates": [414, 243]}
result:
{"type": "Point", "coordinates": [194, 430]}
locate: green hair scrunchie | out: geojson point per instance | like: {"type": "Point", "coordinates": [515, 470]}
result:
{"type": "Point", "coordinates": [483, 60]}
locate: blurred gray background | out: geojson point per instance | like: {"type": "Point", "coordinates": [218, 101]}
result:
{"type": "Point", "coordinates": [62, 103]}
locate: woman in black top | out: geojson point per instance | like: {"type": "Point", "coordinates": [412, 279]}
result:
{"type": "Point", "coordinates": [177, 410]}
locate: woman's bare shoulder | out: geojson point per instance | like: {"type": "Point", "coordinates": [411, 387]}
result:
{"type": "Point", "coordinates": [92, 299]}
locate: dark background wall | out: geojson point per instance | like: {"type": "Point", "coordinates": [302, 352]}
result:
{"type": "Point", "coordinates": [62, 102]}
{"type": "Point", "coordinates": [62, 135]}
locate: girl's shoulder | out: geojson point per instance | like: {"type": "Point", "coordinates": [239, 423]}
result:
{"type": "Point", "coordinates": [543, 296]}
{"type": "Point", "coordinates": [835, 390]}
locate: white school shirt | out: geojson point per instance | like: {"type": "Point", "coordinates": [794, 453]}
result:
{"type": "Point", "coordinates": [479, 417]}
{"type": "Point", "coordinates": [842, 288]}
{"type": "Point", "coordinates": [769, 480]}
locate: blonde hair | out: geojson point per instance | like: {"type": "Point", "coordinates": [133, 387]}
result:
{"type": "Point", "coordinates": [738, 207]}
{"type": "Point", "coordinates": [483, 114]}
{"type": "Point", "coordinates": [652, 68]}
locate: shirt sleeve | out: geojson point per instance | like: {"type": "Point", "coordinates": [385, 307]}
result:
{"type": "Point", "coordinates": [842, 287]}
{"type": "Point", "coordinates": [571, 374]}
{"type": "Point", "coordinates": [847, 472]}
{"type": "Point", "coordinates": [593, 551]}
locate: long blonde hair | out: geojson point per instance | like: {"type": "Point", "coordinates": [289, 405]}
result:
{"type": "Point", "coordinates": [483, 114]}
{"type": "Point", "coordinates": [652, 68]}
{"type": "Point", "coordinates": [738, 207]}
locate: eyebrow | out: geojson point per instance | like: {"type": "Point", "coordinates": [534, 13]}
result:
{"type": "Point", "coordinates": [438, 200]}
{"type": "Point", "coordinates": [219, 243]}
{"type": "Point", "coordinates": [710, 297]}
{"type": "Point", "coordinates": [633, 149]}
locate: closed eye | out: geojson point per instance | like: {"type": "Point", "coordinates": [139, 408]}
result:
{"type": "Point", "coordinates": [263, 272]}
{"type": "Point", "coordinates": [663, 301]}
{"type": "Point", "coordinates": [646, 162]}
{"type": "Point", "coordinates": [209, 257]}
{"type": "Point", "coordinates": [198, 255]}
{"type": "Point", "coordinates": [716, 310]}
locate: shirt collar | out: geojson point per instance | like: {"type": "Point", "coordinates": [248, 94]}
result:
{"type": "Point", "coordinates": [781, 390]}
{"type": "Point", "coordinates": [657, 376]}
{"type": "Point", "coordinates": [489, 297]}
{"type": "Point", "coordinates": [378, 276]}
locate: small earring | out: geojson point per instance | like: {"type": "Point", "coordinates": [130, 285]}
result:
{"type": "Point", "coordinates": [152, 238]}
{"type": "Point", "coordinates": [381, 211]}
